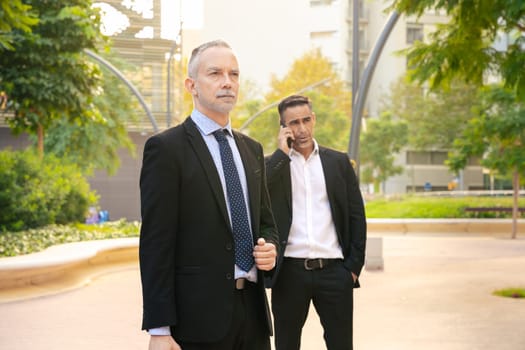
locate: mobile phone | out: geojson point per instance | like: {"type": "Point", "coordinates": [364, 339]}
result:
{"type": "Point", "coordinates": [289, 140]}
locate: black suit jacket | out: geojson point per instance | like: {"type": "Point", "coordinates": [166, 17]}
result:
{"type": "Point", "coordinates": [186, 242]}
{"type": "Point", "coordinates": [346, 204]}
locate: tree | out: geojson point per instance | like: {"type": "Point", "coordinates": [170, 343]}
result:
{"type": "Point", "coordinates": [434, 118]}
{"type": "Point", "coordinates": [94, 145]}
{"type": "Point", "coordinates": [46, 75]}
{"type": "Point", "coordinates": [497, 134]}
{"type": "Point", "coordinates": [382, 139]}
{"type": "Point", "coordinates": [464, 47]}
{"type": "Point", "coordinates": [331, 102]}
{"type": "Point", "coordinates": [14, 15]}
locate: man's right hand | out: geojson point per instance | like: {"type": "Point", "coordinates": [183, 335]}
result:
{"type": "Point", "coordinates": [163, 342]}
{"type": "Point", "coordinates": [284, 134]}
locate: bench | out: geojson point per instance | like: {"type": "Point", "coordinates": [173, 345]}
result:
{"type": "Point", "coordinates": [490, 209]}
{"type": "Point", "coordinates": [496, 211]}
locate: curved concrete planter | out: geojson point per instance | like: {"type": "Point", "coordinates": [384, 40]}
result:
{"type": "Point", "coordinates": [482, 227]}
{"type": "Point", "coordinates": [68, 266]}
{"type": "Point", "coordinates": [63, 267]}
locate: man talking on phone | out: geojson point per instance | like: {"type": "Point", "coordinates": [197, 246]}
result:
{"type": "Point", "coordinates": [320, 217]}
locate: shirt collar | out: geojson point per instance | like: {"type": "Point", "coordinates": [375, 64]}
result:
{"type": "Point", "coordinates": [206, 125]}
{"type": "Point", "coordinates": [293, 152]}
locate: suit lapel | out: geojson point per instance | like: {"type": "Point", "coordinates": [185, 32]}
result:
{"type": "Point", "coordinates": [328, 164]}
{"type": "Point", "coordinates": [288, 188]}
{"type": "Point", "coordinates": [203, 154]}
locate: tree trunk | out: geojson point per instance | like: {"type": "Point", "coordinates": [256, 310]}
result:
{"type": "Point", "coordinates": [40, 135]}
{"type": "Point", "coordinates": [516, 191]}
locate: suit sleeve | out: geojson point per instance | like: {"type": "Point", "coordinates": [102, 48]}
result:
{"type": "Point", "coordinates": [268, 226]}
{"type": "Point", "coordinates": [275, 165]}
{"type": "Point", "coordinates": [357, 222]}
{"type": "Point", "coordinates": [159, 208]}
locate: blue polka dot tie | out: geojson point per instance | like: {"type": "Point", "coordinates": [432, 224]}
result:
{"type": "Point", "coordinates": [238, 210]}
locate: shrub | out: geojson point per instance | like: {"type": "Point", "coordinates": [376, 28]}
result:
{"type": "Point", "coordinates": [38, 239]}
{"type": "Point", "coordinates": [35, 192]}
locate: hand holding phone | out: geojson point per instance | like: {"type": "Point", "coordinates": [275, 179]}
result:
{"type": "Point", "coordinates": [289, 140]}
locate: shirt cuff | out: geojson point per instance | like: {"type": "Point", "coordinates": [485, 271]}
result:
{"type": "Point", "coordinates": [160, 331]}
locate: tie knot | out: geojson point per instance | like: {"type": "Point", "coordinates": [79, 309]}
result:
{"type": "Point", "coordinates": [220, 135]}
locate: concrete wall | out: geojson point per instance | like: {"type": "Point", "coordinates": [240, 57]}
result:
{"type": "Point", "coordinates": [119, 193]}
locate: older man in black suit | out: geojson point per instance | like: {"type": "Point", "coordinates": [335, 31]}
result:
{"type": "Point", "coordinates": [320, 216]}
{"type": "Point", "coordinates": [207, 229]}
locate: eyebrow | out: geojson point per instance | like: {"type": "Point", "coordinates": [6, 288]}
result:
{"type": "Point", "coordinates": [301, 118]}
{"type": "Point", "coordinates": [214, 68]}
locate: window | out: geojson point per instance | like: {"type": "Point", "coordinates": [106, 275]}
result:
{"type": "Point", "coordinates": [473, 161]}
{"type": "Point", "coordinates": [322, 35]}
{"type": "Point", "coordinates": [363, 44]}
{"type": "Point", "coordinates": [414, 32]}
{"type": "Point", "coordinates": [426, 158]}
{"type": "Point", "coordinates": [415, 157]}
{"type": "Point", "coordinates": [314, 3]}
{"type": "Point", "coordinates": [438, 158]}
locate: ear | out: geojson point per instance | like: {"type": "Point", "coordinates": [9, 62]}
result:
{"type": "Point", "coordinates": [189, 84]}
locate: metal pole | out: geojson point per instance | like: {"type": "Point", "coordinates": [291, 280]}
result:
{"type": "Point", "coordinates": [357, 108]}
{"type": "Point", "coordinates": [355, 50]}
{"type": "Point", "coordinates": [168, 87]}
{"type": "Point", "coordinates": [177, 45]}
{"type": "Point", "coordinates": [128, 84]}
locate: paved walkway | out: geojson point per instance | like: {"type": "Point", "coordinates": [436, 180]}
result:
{"type": "Point", "coordinates": [434, 293]}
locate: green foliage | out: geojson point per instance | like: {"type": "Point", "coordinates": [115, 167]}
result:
{"type": "Point", "coordinates": [426, 207]}
{"type": "Point", "coordinates": [511, 292]}
{"type": "Point", "coordinates": [14, 15]}
{"type": "Point", "coordinates": [434, 118]}
{"type": "Point", "coordinates": [46, 75]}
{"type": "Point", "coordinates": [35, 192]}
{"type": "Point", "coordinates": [497, 134]}
{"type": "Point", "coordinates": [463, 47]}
{"type": "Point", "coordinates": [381, 141]}
{"type": "Point", "coordinates": [35, 240]}
{"type": "Point", "coordinates": [94, 143]}
{"type": "Point", "coordinates": [312, 75]}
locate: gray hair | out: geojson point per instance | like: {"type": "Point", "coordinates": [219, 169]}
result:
{"type": "Point", "coordinates": [193, 64]}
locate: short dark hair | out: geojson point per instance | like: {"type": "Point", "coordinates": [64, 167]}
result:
{"type": "Point", "coordinates": [292, 101]}
{"type": "Point", "coordinates": [196, 53]}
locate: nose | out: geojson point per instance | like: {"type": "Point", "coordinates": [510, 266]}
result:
{"type": "Point", "coordinates": [226, 81]}
{"type": "Point", "coordinates": [301, 127]}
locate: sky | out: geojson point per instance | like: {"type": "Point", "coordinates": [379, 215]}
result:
{"type": "Point", "coordinates": [192, 16]}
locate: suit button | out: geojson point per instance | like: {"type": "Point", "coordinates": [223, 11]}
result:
{"type": "Point", "coordinates": [228, 276]}
{"type": "Point", "coordinates": [283, 242]}
{"type": "Point", "coordinates": [228, 246]}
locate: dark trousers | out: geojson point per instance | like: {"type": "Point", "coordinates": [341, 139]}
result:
{"type": "Point", "coordinates": [248, 330]}
{"type": "Point", "coordinates": [331, 291]}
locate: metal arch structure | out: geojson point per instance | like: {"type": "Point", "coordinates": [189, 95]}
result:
{"type": "Point", "coordinates": [133, 89]}
{"type": "Point", "coordinates": [268, 107]}
{"type": "Point", "coordinates": [362, 92]}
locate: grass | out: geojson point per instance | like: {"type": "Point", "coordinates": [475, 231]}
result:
{"type": "Point", "coordinates": [414, 206]}
{"type": "Point", "coordinates": [511, 293]}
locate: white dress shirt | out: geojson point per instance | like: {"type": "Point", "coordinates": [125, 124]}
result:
{"type": "Point", "coordinates": [312, 233]}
